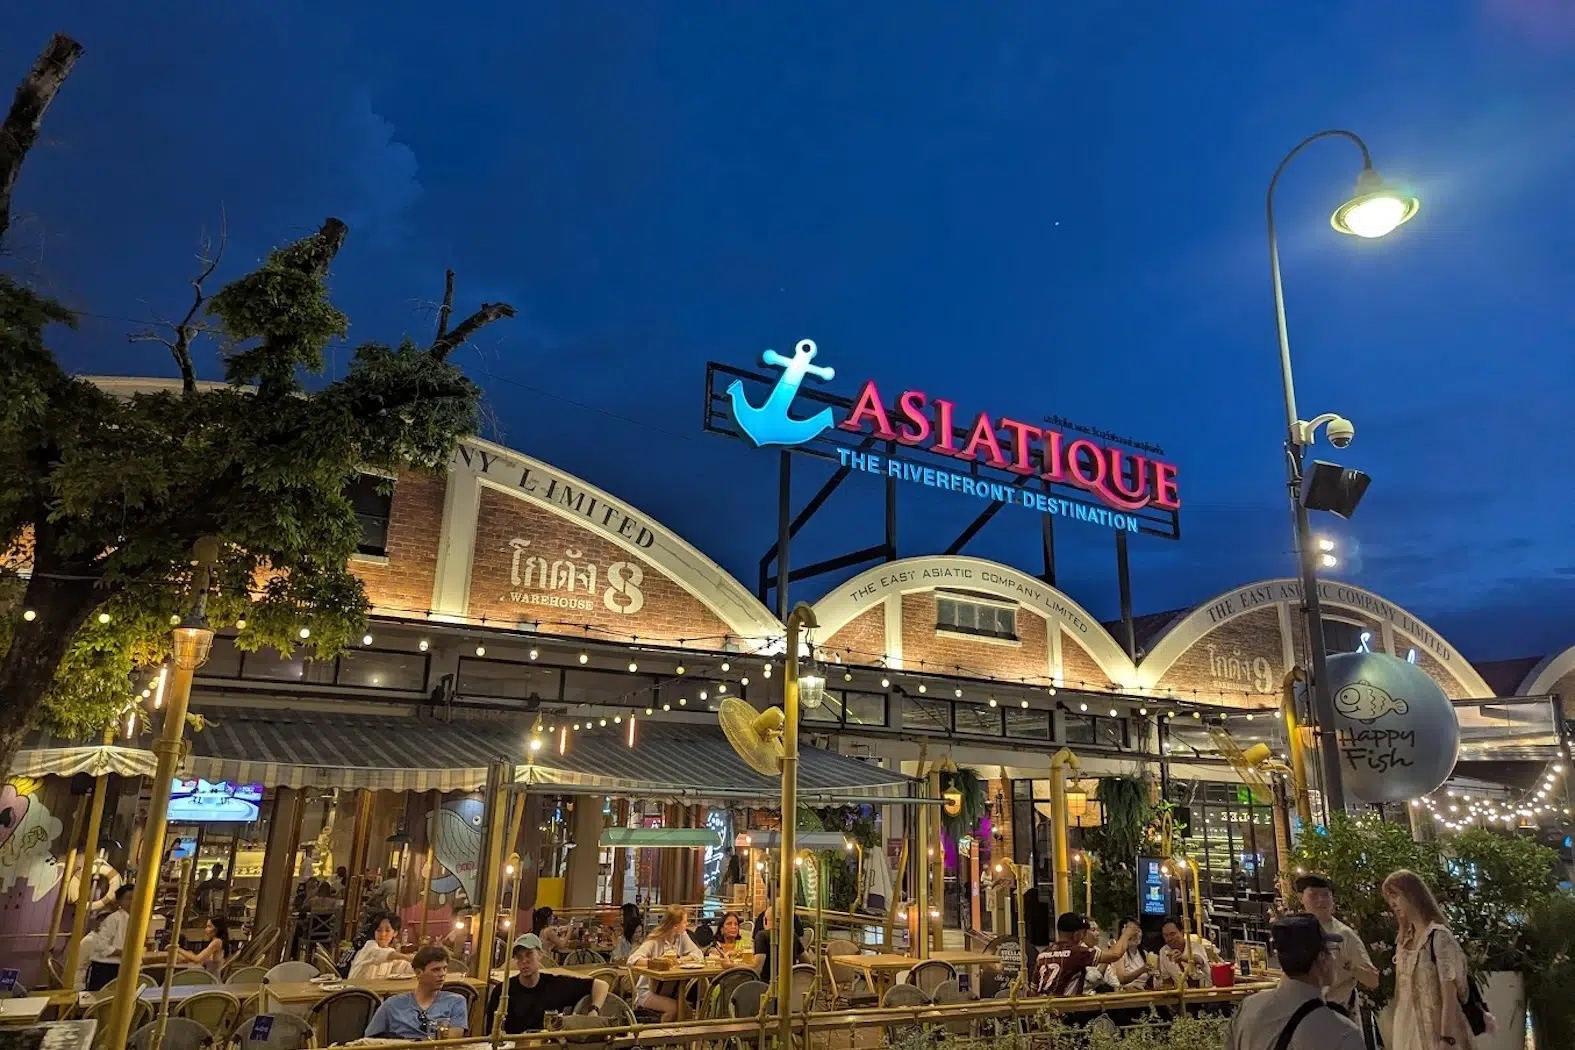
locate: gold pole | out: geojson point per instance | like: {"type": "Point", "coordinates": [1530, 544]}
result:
{"type": "Point", "coordinates": [486, 925]}
{"type": "Point", "coordinates": [936, 855]}
{"type": "Point", "coordinates": [921, 881]}
{"type": "Point", "coordinates": [516, 869]}
{"type": "Point", "coordinates": [1021, 873]}
{"type": "Point", "coordinates": [888, 943]}
{"type": "Point", "coordinates": [172, 952]}
{"type": "Point", "coordinates": [800, 618]}
{"type": "Point", "coordinates": [85, 882]}
{"type": "Point", "coordinates": [1293, 745]}
{"type": "Point", "coordinates": [426, 883]}
{"type": "Point", "coordinates": [192, 642]}
{"type": "Point", "coordinates": [360, 846]}
{"type": "Point", "coordinates": [1197, 896]}
{"type": "Point", "coordinates": [1058, 851]}
{"type": "Point", "coordinates": [59, 911]}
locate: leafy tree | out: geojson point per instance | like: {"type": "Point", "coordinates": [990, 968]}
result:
{"type": "Point", "coordinates": [103, 495]}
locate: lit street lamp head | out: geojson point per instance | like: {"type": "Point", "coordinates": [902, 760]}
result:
{"type": "Point", "coordinates": [1375, 209]}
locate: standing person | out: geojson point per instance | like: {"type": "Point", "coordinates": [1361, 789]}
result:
{"type": "Point", "coordinates": [671, 938]}
{"type": "Point", "coordinates": [209, 888]}
{"type": "Point", "coordinates": [215, 952]}
{"type": "Point", "coordinates": [1430, 970]}
{"type": "Point", "coordinates": [378, 956]}
{"type": "Point", "coordinates": [1062, 968]}
{"type": "Point", "coordinates": [1294, 1016]}
{"type": "Point", "coordinates": [105, 966]}
{"type": "Point", "coordinates": [1183, 957]}
{"type": "Point", "coordinates": [533, 993]}
{"type": "Point", "coordinates": [426, 1013]}
{"type": "Point", "coordinates": [1353, 967]}
{"type": "Point", "coordinates": [1131, 972]}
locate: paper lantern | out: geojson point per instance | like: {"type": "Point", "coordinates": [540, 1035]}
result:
{"type": "Point", "coordinates": [1398, 737]}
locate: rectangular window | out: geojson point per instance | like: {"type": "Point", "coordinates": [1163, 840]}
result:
{"type": "Point", "coordinates": [268, 665]}
{"type": "Point", "coordinates": [1095, 730]}
{"type": "Point", "coordinates": [1027, 724]}
{"type": "Point", "coordinates": [619, 688]}
{"type": "Point", "coordinates": [371, 669]}
{"type": "Point", "coordinates": [1079, 728]}
{"type": "Point", "coordinates": [926, 716]}
{"type": "Point", "coordinates": [978, 719]}
{"type": "Point", "coordinates": [965, 617]}
{"type": "Point", "coordinates": [865, 709]}
{"type": "Point", "coordinates": [373, 499]}
{"type": "Point", "coordinates": [1342, 637]}
{"type": "Point", "coordinates": [224, 660]}
{"type": "Point", "coordinates": [830, 709]}
{"type": "Point", "coordinates": [503, 680]}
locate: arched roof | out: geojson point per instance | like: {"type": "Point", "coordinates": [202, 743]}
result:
{"type": "Point", "coordinates": [1541, 679]}
{"type": "Point", "coordinates": [1334, 595]}
{"type": "Point", "coordinates": [481, 463]}
{"type": "Point", "coordinates": [871, 587]}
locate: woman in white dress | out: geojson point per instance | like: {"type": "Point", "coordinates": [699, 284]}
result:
{"type": "Point", "coordinates": [670, 939]}
{"type": "Point", "coordinates": [1430, 971]}
{"type": "Point", "coordinates": [378, 957]}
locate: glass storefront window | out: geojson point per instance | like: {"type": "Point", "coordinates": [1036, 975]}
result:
{"type": "Point", "coordinates": [1027, 724]}
{"type": "Point", "coordinates": [977, 719]}
{"type": "Point", "coordinates": [268, 665]}
{"type": "Point", "coordinates": [865, 709]}
{"type": "Point", "coordinates": [505, 680]}
{"type": "Point", "coordinates": [926, 716]}
{"type": "Point", "coordinates": [372, 669]}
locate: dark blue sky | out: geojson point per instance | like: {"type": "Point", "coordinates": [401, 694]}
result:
{"type": "Point", "coordinates": [1034, 208]}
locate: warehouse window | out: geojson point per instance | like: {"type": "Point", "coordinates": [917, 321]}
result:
{"type": "Point", "coordinates": [965, 617]}
{"type": "Point", "coordinates": [373, 499]}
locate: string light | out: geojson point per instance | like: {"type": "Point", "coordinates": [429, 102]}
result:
{"type": "Point", "coordinates": [728, 667]}
{"type": "Point", "coordinates": [679, 669]}
{"type": "Point", "coordinates": [585, 658]}
{"type": "Point", "coordinates": [1024, 703]}
{"type": "Point", "coordinates": [481, 650]}
{"type": "Point", "coordinates": [306, 632]}
{"type": "Point", "coordinates": [992, 701]}
{"type": "Point", "coordinates": [744, 680]}
{"type": "Point", "coordinates": [103, 617]}
{"type": "Point", "coordinates": [366, 639]}
{"type": "Point", "coordinates": [423, 645]}
{"type": "Point", "coordinates": [633, 667]}
{"type": "Point", "coordinates": [533, 654]}
{"type": "Point", "coordinates": [885, 683]}
{"type": "Point", "coordinates": [158, 688]}
{"type": "Point", "coordinates": [240, 625]}
{"type": "Point", "coordinates": [29, 615]}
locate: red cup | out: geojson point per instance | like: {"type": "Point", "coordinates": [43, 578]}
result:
{"type": "Point", "coordinates": [1224, 975]}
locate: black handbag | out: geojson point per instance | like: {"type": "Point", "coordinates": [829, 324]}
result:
{"type": "Point", "coordinates": [1475, 1007]}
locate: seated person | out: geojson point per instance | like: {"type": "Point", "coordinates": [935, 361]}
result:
{"type": "Point", "coordinates": [426, 1013]}
{"type": "Point", "coordinates": [1130, 973]}
{"type": "Point", "coordinates": [553, 938]}
{"type": "Point", "coordinates": [533, 994]}
{"type": "Point", "coordinates": [729, 936]}
{"type": "Point", "coordinates": [1062, 968]}
{"type": "Point", "coordinates": [671, 938]}
{"type": "Point", "coordinates": [1183, 956]}
{"type": "Point", "coordinates": [378, 957]}
{"type": "Point", "coordinates": [214, 952]}
{"type": "Point", "coordinates": [763, 926]}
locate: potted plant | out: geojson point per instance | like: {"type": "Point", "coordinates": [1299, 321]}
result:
{"type": "Point", "coordinates": [1550, 978]}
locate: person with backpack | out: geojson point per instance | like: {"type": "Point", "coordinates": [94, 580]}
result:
{"type": "Point", "coordinates": [1294, 1016]}
{"type": "Point", "coordinates": [1437, 1004]}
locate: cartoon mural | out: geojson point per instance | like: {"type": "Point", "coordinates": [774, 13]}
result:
{"type": "Point", "coordinates": [456, 842]}
{"type": "Point", "coordinates": [27, 831]}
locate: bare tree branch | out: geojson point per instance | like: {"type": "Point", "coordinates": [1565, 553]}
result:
{"type": "Point", "coordinates": [188, 328]}
{"type": "Point", "coordinates": [447, 308]}
{"type": "Point", "coordinates": [33, 96]}
{"type": "Point", "coordinates": [488, 313]}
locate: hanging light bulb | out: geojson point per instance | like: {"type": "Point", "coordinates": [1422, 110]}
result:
{"type": "Point", "coordinates": [744, 680]}
{"type": "Point", "coordinates": [728, 667]}
{"type": "Point", "coordinates": [648, 710]}
{"type": "Point", "coordinates": [703, 694]}
{"type": "Point", "coordinates": [1082, 707]}
{"type": "Point", "coordinates": [683, 701]}
{"type": "Point", "coordinates": [29, 615]}
{"type": "Point", "coordinates": [423, 645]}
{"type": "Point", "coordinates": [633, 667]}
{"type": "Point", "coordinates": [617, 720]}
{"type": "Point", "coordinates": [1024, 702]}
{"type": "Point", "coordinates": [958, 693]}
{"type": "Point", "coordinates": [992, 701]}
{"type": "Point", "coordinates": [481, 650]}
{"type": "Point", "coordinates": [667, 707]}
{"type": "Point", "coordinates": [103, 617]}
{"type": "Point", "coordinates": [921, 687]}
{"type": "Point", "coordinates": [585, 658]}
{"type": "Point", "coordinates": [366, 639]}
{"type": "Point", "coordinates": [603, 722]}
{"type": "Point", "coordinates": [885, 683]}
{"type": "Point", "coordinates": [306, 632]}
{"type": "Point", "coordinates": [240, 625]}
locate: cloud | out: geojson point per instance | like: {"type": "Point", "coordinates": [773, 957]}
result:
{"type": "Point", "coordinates": [380, 174]}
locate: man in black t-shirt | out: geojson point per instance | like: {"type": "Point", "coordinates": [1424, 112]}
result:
{"type": "Point", "coordinates": [763, 924]}
{"type": "Point", "coordinates": [533, 993]}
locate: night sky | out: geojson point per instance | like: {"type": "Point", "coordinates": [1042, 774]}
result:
{"type": "Point", "coordinates": [1031, 208]}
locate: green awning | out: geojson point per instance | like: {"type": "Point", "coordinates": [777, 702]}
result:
{"type": "Point", "coordinates": [659, 838]}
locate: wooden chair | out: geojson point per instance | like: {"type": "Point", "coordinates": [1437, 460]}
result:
{"type": "Point", "coordinates": [246, 975]}
{"type": "Point", "coordinates": [855, 991]}
{"type": "Point", "coordinates": [180, 1033]}
{"type": "Point", "coordinates": [141, 1014]}
{"type": "Point", "coordinates": [216, 1010]}
{"type": "Point", "coordinates": [288, 1032]}
{"type": "Point", "coordinates": [342, 1016]}
{"type": "Point", "coordinates": [930, 975]}
{"type": "Point", "coordinates": [749, 998]}
{"type": "Point", "coordinates": [290, 971]}
{"type": "Point", "coordinates": [191, 978]}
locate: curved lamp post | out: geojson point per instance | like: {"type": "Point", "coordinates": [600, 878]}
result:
{"type": "Point", "coordinates": [1374, 209]}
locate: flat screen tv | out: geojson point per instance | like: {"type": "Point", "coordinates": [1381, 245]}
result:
{"type": "Point", "coordinates": [202, 801]}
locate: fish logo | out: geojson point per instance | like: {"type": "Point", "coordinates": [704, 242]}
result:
{"type": "Point", "coordinates": [770, 424]}
{"type": "Point", "coordinates": [456, 841]}
{"type": "Point", "coordinates": [1367, 703]}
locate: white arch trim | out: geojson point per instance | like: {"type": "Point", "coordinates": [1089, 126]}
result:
{"type": "Point", "coordinates": [1541, 679]}
{"type": "Point", "coordinates": [1267, 594]}
{"type": "Point", "coordinates": [872, 587]}
{"type": "Point", "coordinates": [479, 464]}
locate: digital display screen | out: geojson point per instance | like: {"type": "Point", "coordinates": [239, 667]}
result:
{"type": "Point", "coordinates": [201, 801]}
{"type": "Point", "coordinates": [1153, 887]}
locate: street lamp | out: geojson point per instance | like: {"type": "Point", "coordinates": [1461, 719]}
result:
{"type": "Point", "coordinates": [1376, 208]}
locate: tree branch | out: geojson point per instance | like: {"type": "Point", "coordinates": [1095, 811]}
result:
{"type": "Point", "coordinates": [489, 312]}
{"type": "Point", "coordinates": [32, 99]}
{"type": "Point", "coordinates": [188, 328]}
{"type": "Point", "coordinates": [447, 308]}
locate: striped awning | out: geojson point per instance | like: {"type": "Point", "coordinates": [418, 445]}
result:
{"type": "Point", "coordinates": [92, 759]}
{"type": "Point", "coordinates": [693, 761]}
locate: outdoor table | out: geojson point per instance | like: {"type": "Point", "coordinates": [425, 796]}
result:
{"type": "Point", "coordinates": [880, 969]}
{"type": "Point", "coordinates": [23, 1011]}
{"type": "Point", "coordinates": [687, 975]}
{"type": "Point", "coordinates": [66, 1035]}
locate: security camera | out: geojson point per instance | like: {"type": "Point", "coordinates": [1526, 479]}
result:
{"type": "Point", "coordinates": [1341, 432]}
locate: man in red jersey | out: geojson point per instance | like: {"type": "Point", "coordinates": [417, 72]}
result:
{"type": "Point", "coordinates": [1061, 968]}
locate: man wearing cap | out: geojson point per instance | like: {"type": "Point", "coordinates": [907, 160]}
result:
{"type": "Point", "coordinates": [533, 993]}
{"type": "Point", "coordinates": [1294, 1015]}
{"type": "Point", "coordinates": [1352, 965]}
{"type": "Point", "coordinates": [1062, 968]}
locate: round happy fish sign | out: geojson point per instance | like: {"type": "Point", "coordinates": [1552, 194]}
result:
{"type": "Point", "coordinates": [1398, 735]}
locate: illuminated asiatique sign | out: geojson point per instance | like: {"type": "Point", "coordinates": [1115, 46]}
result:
{"type": "Point", "coordinates": [1050, 467]}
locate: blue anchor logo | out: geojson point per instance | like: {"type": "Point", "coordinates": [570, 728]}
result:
{"type": "Point", "coordinates": [770, 424]}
